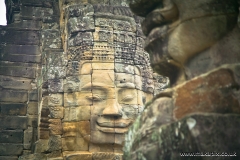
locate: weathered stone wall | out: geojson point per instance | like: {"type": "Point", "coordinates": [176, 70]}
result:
{"type": "Point", "coordinates": [198, 116]}
{"type": "Point", "coordinates": [32, 30]}
{"type": "Point", "coordinates": [48, 51]}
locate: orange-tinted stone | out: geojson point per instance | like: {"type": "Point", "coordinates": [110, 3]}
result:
{"type": "Point", "coordinates": [208, 93]}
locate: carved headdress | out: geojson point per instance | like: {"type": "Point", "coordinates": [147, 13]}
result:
{"type": "Point", "coordinates": [106, 34]}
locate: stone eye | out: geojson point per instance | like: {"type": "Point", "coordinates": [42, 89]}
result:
{"type": "Point", "coordinates": [95, 98]}
{"type": "Point", "coordinates": [127, 98]}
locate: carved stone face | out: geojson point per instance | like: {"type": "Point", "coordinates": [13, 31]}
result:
{"type": "Point", "coordinates": [115, 102]}
{"type": "Point", "coordinates": [108, 77]}
{"type": "Point", "coordinates": [179, 29]}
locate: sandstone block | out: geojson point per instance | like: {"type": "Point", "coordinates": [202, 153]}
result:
{"type": "Point", "coordinates": [77, 99]}
{"type": "Point", "coordinates": [55, 143]}
{"type": "Point", "coordinates": [80, 39]}
{"type": "Point", "coordinates": [50, 34]}
{"type": "Point", "coordinates": [71, 84]}
{"type": "Point", "coordinates": [15, 83]}
{"type": "Point", "coordinates": [37, 3]}
{"type": "Point", "coordinates": [55, 85]}
{"type": "Point", "coordinates": [55, 155]}
{"type": "Point", "coordinates": [27, 138]}
{"type": "Point", "coordinates": [75, 1]}
{"type": "Point", "coordinates": [124, 78]}
{"type": "Point", "coordinates": [13, 122]}
{"type": "Point", "coordinates": [55, 158]}
{"type": "Point", "coordinates": [72, 129]}
{"type": "Point", "coordinates": [26, 25]}
{"type": "Point", "coordinates": [16, 69]}
{"type": "Point", "coordinates": [79, 10]}
{"type": "Point", "coordinates": [56, 72]}
{"type": "Point", "coordinates": [52, 43]}
{"type": "Point", "coordinates": [103, 35]}
{"type": "Point", "coordinates": [100, 148]}
{"type": "Point", "coordinates": [37, 13]}
{"type": "Point", "coordinates": [74, 144]}
{"type": "Point", "coordinates": [212, 92]}
{"type": "Point", "coordinates": [85, 23]}
{"type": "Point", "coordinates": [55, 57]}
{"type": "Point", "coordinates": [32, 108]}
{"type": "Point", "coordinates": [77, 113]}
{"type": "Point", "coordinates": [33, 95]}
{"type": "Point", "coordinates": [8, 157]}
{"type": "Point", "coordinates": [55, 126]}
{"type": "Point", "coordinates": [22, 58]}
{"type": "Point", "coordinates": [20, 53]}
{"type": "Point", "coordinates": [13, 109]}
{"type": "Point", "coordinates": [11, 136]}
{"type": "Point", "coordinates": [101, 138]}
{"type": "Point", "coordinates": [44, 133]}
{"type": "Point", "coordinates": [103, 76]}
{"type": "Point", "coordinates": [32, 120]}
{"type": "Point", "coordinates": [119, 139]}
{"type": "Point", "coordinates": [106, 156]}
{"type": "Point", "coordinates": [13, 96]}
{"type": "Point", "coordinates": [85, 80]}
{"type": "Point", "coordinates": [10, 149]}
{"type": "Point", "coordinates": [56, 112]}
{"type": "Point", "coordinates": [20, 37]}
{"type": "Point", "coordinates": [55, 100]}
{"type": "Point", "coordinates": [124, 93]}
{"type": "Point", "coordinates": [101, 44]}
{"type": "Point", "coordinates": [35, 156]}
{"type": "Point", "coordinates": [77, 155]}
{"type": "Point", "coordinates": [86, 69]}
{"type": "Point", "coordinates": [128, 24]}
{"type": "Point", "coordinates": [44, 124]}
{"type": "Point", "coordinates": [103, 66]}
{"type": "Point", "coordinates": [41, 146]}
{"type": "Point", "coordinates": [20, 49]}
{"type": "Point", "coordinates": [124, 68]}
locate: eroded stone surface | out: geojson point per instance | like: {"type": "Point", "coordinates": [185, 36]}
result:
{"type": "Point", "coordinates": [188, 41]}
{"type": "Point", "coordinates": [192, 134]}
{"type": "Point", "coordinates": [73, 74]}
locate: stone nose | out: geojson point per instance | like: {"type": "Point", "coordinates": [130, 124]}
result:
{"type": "Point", "coordinates": [112, 108]}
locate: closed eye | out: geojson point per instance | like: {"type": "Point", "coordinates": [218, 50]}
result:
{"type": "Point", "coordinates": [94, 98]}
{"type": "Point", "coordinates": [127, 98]}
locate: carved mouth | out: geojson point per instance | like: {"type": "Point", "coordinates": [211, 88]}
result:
{"type": "Point", "coordinates": [113, 125]}
{"type": "Point", "coordinates": [112, 130]}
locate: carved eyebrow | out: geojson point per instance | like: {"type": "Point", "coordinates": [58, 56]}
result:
{"type": "Point", "coordinates": [98, 85]}
{"type": "Point", "coordinates": [126, 85]}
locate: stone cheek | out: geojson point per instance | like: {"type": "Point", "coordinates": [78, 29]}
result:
{"type": "Point", "coordinates": [212, 93]}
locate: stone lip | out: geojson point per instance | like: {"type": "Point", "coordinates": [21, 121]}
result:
{"type": "Point", "coordinates": [121, 123]}
{"type": "Point", "coordinates": [112, 130]}
{"type": "Point", "coordinates": [113, 126]}
{"type": "Point", "coordinates": [195, 133]}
